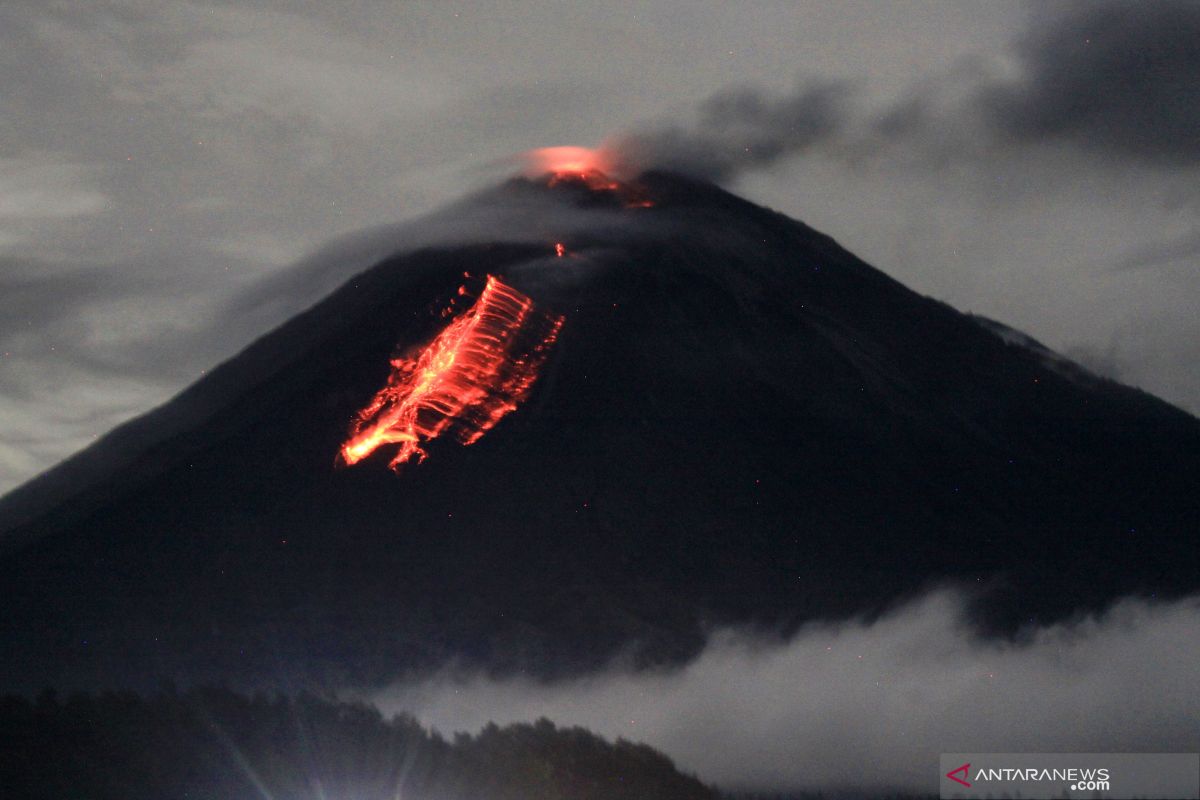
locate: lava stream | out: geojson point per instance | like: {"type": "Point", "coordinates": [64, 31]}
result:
{"type": "Point", "coordinates": [474, 372]}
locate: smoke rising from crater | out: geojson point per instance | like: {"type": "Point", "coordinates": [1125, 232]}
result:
{"type": "Point", "coordinates": [740, 129]}
{"type": "Point", "coordinates": [1113, 79]}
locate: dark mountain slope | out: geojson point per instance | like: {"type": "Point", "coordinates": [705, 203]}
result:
{"type": "Point", "coordinates": [740, 422]}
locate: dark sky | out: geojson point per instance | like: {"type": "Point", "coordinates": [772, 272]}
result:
{"type": "Point", "coordinates": [161, 160]}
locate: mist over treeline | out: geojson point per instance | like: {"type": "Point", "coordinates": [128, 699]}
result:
{"type": "Point", "coordinates": [214, 742]}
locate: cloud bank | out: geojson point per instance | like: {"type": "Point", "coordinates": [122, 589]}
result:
{"type": "Point", "coordinates": [870, 705]}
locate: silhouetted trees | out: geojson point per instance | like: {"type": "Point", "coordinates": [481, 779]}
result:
{"type": "Point", "coordinates": [215, 743]}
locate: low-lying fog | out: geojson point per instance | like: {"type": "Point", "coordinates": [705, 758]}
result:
{"type": "Point", "coordinates": [856, 704]}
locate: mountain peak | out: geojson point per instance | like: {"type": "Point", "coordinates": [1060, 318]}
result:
{"type": "Point", "coordinates": [736, 421]}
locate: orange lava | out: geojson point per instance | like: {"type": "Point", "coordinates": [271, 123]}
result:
{"type": "Point", "coordinates": [479, 368]}
{"type": "Point", "coordinates": [594, 179]}
{"type": "Point", "coordinates": [592, 168]}
{"type": "Point", "coordinates": [567, 161]}
{"type": "Point", "coordinates": [560, 249]}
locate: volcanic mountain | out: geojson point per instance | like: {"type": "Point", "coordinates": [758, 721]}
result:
{"type": "Point", "coordinates": [617, 413]}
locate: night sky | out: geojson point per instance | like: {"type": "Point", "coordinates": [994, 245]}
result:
{"type": "Point", "coordinates": [160, 161]}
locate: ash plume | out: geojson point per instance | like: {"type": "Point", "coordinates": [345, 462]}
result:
{"type": "Point", "coordinates": [1113, 79]}
{"type": "Point", "coordinates": [740, 129]}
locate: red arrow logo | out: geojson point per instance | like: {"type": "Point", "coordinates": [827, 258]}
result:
{"type": "Point", "coordinates": [964, 769]}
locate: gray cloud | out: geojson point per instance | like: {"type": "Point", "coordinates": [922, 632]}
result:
{"type": "Point", "coordinates": [1119, 77]}
{"type": "Point", "coordinates": [85, 347]}
{"type": "Point", "coordinates": [1114, 78]}
{"type": "Point", "coordinates": [45, 188]}
{"type": "Point", "coordinates": [866, 705]}
{"type": "Point", "coordinates": [104, 317]}
{"type": "Point", "coordinates": [40, 193]}
{"type": "Point", "coordinates": [34, 295]}
{"type": "Point", "coordinates": [1173, 251]}
{"type": "Point", "coordinates": [740, 129]}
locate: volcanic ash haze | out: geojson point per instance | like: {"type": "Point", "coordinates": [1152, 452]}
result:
{"type": "Point", "coordinates": [733, 420]}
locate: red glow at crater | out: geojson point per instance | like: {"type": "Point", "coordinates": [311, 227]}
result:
{"type": "Point", "coordinates": [583, 166]}
{"type": "Point", "coordinates": [567, 161]}
{"type": "Point", "coordinates": [479, 368]}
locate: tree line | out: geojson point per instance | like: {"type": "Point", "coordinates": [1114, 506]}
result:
{"type": "Point", "coordinates": [220, 744]}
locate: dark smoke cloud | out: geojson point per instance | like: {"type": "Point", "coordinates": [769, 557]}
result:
{"type": "Point", "coordinates": [1115, 76]}
{"type": "Point", "coordinates": [740, 129]}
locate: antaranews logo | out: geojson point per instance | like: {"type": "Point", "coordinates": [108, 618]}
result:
{"type": "Point", "coordinates": [960, 774]}
{"type": "Point", "coordinates": [1083, 779]}
{"type": "Point", "coordinates": [1056, 775]}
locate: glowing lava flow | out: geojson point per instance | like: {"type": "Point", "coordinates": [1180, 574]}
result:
{"type": "Point", "coordinates": [478, 369]}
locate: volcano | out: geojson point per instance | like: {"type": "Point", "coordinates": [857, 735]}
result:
{"type": "Point", "coordinates": [686, 410]}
